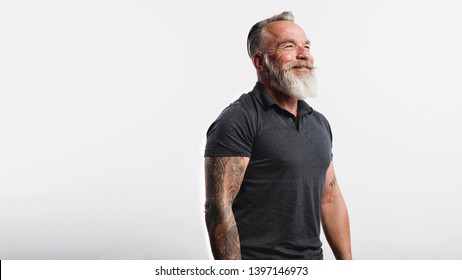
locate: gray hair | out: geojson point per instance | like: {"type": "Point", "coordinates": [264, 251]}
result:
{"type": "Point", "coordinates": [254, 39]}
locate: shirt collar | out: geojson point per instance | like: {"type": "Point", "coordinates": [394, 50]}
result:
{"type": "Point", "coordinates": [267, 101]}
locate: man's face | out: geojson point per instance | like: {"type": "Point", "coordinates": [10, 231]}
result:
{"type": "Point", "coordinates": [288, 61]}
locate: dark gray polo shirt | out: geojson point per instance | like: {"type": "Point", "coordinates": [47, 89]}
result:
{"type": "Point", "coordinates": [277, 209]}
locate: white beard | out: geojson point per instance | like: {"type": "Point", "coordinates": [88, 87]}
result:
{"type": "Point", "coordinates": [296, 86]}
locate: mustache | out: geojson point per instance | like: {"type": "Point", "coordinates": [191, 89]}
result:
{"type": "Point", "coordinates": [301, 64]}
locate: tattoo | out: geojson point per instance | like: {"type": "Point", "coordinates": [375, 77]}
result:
{"type": "Point", "coordinates": [227, 244]}
{"type": "Point", "coordinates": [333, 182]}
{"type": "Point", "coordinates": [223, 181]}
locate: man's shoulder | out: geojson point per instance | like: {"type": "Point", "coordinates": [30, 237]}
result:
{"type": "Point", "coordinates": [246, 104]}
{"type": "Point", "coordinates": [319, 115]}
{"type": "Point", "coordinates": [247, 101]}
{"type": "Point", "coordinates": [322, 120]}
{"type": "Point", "coordinates": [232, 133]}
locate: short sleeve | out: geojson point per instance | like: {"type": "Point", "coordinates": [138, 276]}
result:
{"type": "Point", "coordinates": [327, 125]}
{"type": "Point", "coordinates": [231, 134]}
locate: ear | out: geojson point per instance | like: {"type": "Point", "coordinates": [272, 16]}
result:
{"type": "Point", "coordinates": [257, 60]}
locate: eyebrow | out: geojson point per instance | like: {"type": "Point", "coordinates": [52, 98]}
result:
{"type": "Point", "coordinates": [307, 42]}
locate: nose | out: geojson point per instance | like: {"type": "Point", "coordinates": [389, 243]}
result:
{"type": "Point", "coordinates": [303, 52]}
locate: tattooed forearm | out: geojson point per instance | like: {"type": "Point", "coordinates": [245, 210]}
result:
{"type": "Point", "coordinates": [225, 241]}
{"type": "Point", "coordinates": [223, 181]}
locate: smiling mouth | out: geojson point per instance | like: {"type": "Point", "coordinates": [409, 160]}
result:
{"type": "Point", "coordinates": [302, 64]}
{"type": "Point", "coordinates": [302, 68]}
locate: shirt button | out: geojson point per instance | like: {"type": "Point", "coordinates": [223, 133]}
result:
{"type": "Point", "coordinates": [291, 119]}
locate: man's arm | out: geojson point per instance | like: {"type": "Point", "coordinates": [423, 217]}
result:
{"type": "Point", "coordinates": [334, 218]}
{"type": "Point", "coordinates": [223, 179]}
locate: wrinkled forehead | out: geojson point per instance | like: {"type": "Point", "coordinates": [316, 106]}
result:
{"type": "Point", "coordinates": [281, 31]}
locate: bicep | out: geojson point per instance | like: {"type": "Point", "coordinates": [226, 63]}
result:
{"type": "Point", "coordinates": [223, 177]}
{"type": "Point", "coordinates": [331, 188]}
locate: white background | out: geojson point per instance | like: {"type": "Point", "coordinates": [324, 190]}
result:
{"type": "Point", "coordinates": [104, 106]}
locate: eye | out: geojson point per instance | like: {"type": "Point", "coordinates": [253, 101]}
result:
{"type": "Point", "coordinates": [288, 46]}
{"type": "Point", "coordinates": [307, 47]}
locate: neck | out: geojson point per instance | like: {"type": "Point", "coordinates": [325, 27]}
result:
{"type": "Point", "coordinates": [284, 101]}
